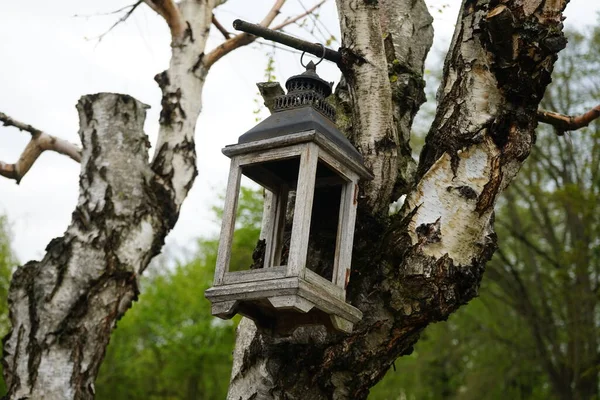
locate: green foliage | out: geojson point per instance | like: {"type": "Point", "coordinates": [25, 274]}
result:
{"type": "Point", "coordinates": [7, 264]}
{"type": "Point", "coordinates": [168, 346]}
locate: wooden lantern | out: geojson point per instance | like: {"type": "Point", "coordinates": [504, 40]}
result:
{"type": "Point", "coordinates": [300, 157]}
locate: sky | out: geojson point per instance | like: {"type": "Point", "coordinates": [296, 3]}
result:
{"type": "Point", "coordinates": [51, 55]}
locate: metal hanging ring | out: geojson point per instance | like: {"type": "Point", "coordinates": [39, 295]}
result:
{"type": "Point", "coordinates": [318, 62]}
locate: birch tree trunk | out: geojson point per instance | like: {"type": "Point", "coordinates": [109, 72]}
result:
{"type": "Point", "coordinates": [420, 265]}
{"type": "Point", "coordinates": [64, 308]}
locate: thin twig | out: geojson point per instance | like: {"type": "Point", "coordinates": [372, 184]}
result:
{"type": "Point", "coordinates": [523, 239]}
{"type": "Point", "coordinates": [278, 47]}
{"type": "Point", "coordinates": [105, 13]}
{"type": "Point", "coordinates": [568, 122]}
{"type": "Point", "coordinates": [315, 20]}
{"type": "Point", "coordinates": [40, 142]}
{"type": "Point", "coordinates": [124, 18]}
{"type": "Point", "coordinates": [308, 12]}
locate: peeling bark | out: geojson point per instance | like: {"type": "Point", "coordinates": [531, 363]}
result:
{"type": "Point", "coordinates": [364, 66]}
{"type": "Point", "coordinates": [406, 60]}
{"type": "Point", "coordinates": [64, 307]}
{"type": "Point", "coordinates": [423, 263]}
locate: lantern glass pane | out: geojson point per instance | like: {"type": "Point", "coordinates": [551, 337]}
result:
{"type": "Point", "coordinates": [247, 226]}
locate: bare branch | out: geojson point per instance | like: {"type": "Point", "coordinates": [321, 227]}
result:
{"type": "Point", "coordinates": [568, 122]}
{"type": "Point", "coordinates": [170, 12]}
{"type": "Point", "coordinates": [240, 40]}
{"type": "Point", "coordinates": [124, 18]}
{"type": "Point", "coordinates": [40, 142]}
{"type": "Point", "coordinates": [273, 12]}
{"type": "Point", "coordinates": [289, 21]}
{"type": "Point", "coordinates": [9, 121]}
{"type": "Point", "coordinates": [244, 39]}
{"type": "Point", "coordinates": [221, 28]}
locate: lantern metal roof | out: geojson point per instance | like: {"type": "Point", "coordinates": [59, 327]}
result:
{"type": "Point", "coordinates": [303, 108]}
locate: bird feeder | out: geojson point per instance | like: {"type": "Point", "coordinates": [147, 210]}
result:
{"type": "Point", "coordinates": [308, 169]}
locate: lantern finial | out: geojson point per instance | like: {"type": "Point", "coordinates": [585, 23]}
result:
{"type": "Point", "coordinates": [306, 90]}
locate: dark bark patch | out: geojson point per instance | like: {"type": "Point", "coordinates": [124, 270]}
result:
{"type": "Point", "coordinates": [60, 251]}
{"type": "Point", "coordinates": [198, 63]}
{"type": "Point", "coordinates": [258, 255]}
{"type": "Point", "coordinates": [387, 143]}
{"type": "Point", "coordinates": [171, 111]}
{"type": "Point", "coordinates": [162, 79]}
{"type": "Point", "coordinates": [163, 196]}
{"type": "Point", "coordinates": [350, 58]}
{"type": "Point", "coordinates": [430, 233]}
{"type": "Point", "coordinates": [465, 191]}
{"type": "Point", "coordinates": [554, 43]}
{"type": "Point", "coordinates": [488, 195]}
{"type": "Point", "coordinates": [188, 33]}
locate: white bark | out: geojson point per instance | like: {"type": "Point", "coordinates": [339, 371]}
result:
{"type": "Point", "coordinates": [182, 86]}
{"type": "Point", "coordinates": [375, 134]}
{"type": "Point", "coordinates": [423, 263]}
{"type": "Point", "coordinates": [64, 307]}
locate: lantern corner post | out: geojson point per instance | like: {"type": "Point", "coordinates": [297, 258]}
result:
{"type": "Point", "coordinates": [228, 223]}
{"type": "Point", "coordinates": [345, 242]}
{"type": "Point", "coordinates": [305, 192]}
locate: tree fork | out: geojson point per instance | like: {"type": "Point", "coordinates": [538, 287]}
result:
{"type": "Point", "coordinates": [425, 262]}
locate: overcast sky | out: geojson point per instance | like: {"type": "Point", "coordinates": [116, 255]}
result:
{"type": "Point", "coordinates": [50, 56]}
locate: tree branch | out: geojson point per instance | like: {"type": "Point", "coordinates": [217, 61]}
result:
{"type": "Point", "coordinates": [269, 91]}
{"type": "Point", "coordinates": [170, 12]}
{"type": "Point", "coordinates": [568, 122]}
{"type": "Point", "coordinates": [40, 142]}
{"type": "Point", "coordinates": [124, 18]}
{"type": "Point", "coordinates": [289, 21]}
{"type": "Point", "coordinates": [241, 40]}
{"type": "Point", "coordinates": [244, 39]}
{"type": "Point", "coordinates": [220, 27]}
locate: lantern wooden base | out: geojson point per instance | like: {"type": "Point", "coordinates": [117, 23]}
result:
{"type": "Point", "coordinates": [281, 305]}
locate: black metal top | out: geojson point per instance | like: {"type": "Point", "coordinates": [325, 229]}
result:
{"type": "Point", "coordinates": [306, 89]}
{"type": "Point", "coordinates": [291, 41]}
{"type": "Point", "coordinates": [300, 120]}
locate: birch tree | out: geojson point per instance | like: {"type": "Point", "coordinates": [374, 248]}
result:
{"type": "Point", "coordinates": [409, 269]}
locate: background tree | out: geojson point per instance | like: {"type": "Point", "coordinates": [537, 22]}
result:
{"type": "Point", "coordinates": [409, 270]}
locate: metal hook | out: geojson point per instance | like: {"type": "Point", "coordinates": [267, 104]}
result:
{"type": "Point", "coordinates": [318, 62]}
